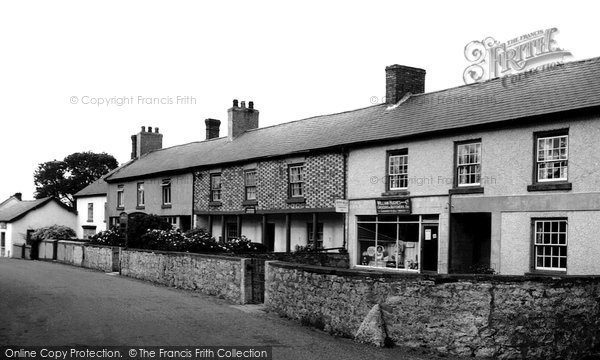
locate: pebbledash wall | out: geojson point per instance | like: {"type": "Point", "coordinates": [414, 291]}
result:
{"type": "Point", "coordinates": [324, 183]}
{"type": "Point", "coordinates": [485, 316]}
{"type": "Point", "coordinates": [222, 276]}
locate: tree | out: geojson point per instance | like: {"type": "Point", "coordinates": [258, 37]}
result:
{"type": "Point", "coordinates": [62, 179]}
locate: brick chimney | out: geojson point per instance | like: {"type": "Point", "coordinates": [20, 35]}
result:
{"type": "Point", "coordinates": [18, 196]}
{"type": "Point", "coordinates": [401, 80]}
{"type": "Point", "coordinates": [145, 141]}
{"type": "Point", "coordinates": [212, 128]}
{"type": "Point", "coordinates": [241, 119]}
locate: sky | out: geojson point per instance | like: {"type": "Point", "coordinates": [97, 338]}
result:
{"type": "Point", "coordinates": [61, 59]}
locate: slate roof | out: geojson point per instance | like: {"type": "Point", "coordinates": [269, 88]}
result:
{"type": "Point", "coordinates": [570, 86]}
{"type": "Point", "coordinates": [98, 187]}
{"type": "Point", "coordinates": [21, 208]}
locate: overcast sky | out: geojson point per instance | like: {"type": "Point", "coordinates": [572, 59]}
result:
{"type": "Point", "coordinates": [294, 60]}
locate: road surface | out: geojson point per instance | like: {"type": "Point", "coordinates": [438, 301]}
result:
{"type": "Point", "coordinates": [45, 303]}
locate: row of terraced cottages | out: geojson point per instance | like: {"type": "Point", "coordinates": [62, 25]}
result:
{"type": "Point", "coordinates": [466, 179]}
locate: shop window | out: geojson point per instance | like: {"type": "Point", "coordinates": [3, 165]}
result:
{"type": "Point", "coordinates": [388, 242]}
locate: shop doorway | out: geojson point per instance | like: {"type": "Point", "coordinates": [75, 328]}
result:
{"type": "Point", "coordinates": [429, 247]}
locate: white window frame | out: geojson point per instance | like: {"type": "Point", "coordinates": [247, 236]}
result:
{"type": "Point", "coordinates": [166, 191]}
{"type": "Point", "coordinates": [398, 171]}
{"type": "Point", "coordinates": [121, 196]}
{"type": "Point", "coordinates": [473, 161]}
{"type": "Point", "coordinates": [215, 191]}
{"type": "Point", "coordinates": [297, 181]}
{"type": "Point", "coordinates": [90, 217]}
{"type": "Point", "coordinates": [550, 240]}
{"type": "Point", "coordinates": [248, 185]}
{"type": "Point", "coordinates": [549, 151]}
{"type": "Point", "coordinates": [141, 196]}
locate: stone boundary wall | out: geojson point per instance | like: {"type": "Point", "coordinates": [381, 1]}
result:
{"type": "Point", "coordinates": [77, 253]}
{"type": "Point", "coordinates": [100, 257]}
{"type": "Point", "coordinates": [335, 260]}
{"type": "Point", "coordinates": [223, 276]}
{"type": "Point", "coordinates": [503, 317]}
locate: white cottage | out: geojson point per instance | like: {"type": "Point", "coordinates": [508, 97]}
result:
{"type": "Point", "coordinates": [18, 219]}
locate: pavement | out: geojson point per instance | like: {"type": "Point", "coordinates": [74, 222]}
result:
{"type": "Point", "coordinates": [51, 304]}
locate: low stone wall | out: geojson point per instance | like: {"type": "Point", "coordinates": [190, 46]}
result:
{"type": "Point", "coordinates": [335, 260]}
{"type": "Point", "coordinates": [21, 251]}
{"type": "Point", "coordinates": [46, 250]}
{"type": "Point", "coordinates": [99, 257]}
{"type": "Point", "coordinates": [224, 276]}
{"type": "Point", "coordinates": [484, 316]}
{"type": "Point", "coordinates": [69, 252]}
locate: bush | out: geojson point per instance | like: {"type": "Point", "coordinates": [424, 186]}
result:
{"type": "Point", "coordinates": [244, 245]}
{"type": "Point", "coordinates": [54, 232]}
{"type": "Point", "coordinates": [139, 224]}
{"type": "Point", "coordinates": [109, 237]}
{"type": "Point", "coordinates": [200, 241]}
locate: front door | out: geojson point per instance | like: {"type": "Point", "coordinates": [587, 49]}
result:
{"type": "Point", "coordinates": [430, 247]}
{"type": "Point", "coordinates": [270, 237]}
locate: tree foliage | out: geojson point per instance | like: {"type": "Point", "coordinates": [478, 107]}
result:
{"type": "Point", "coordinates": [63, 178]}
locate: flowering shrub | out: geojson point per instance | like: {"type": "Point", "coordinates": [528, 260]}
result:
{"type": "Point", "coordinates": [55, 232]}
{"type": "Point", "coordinates": [243, 245]}
{"type": "Point", "coordinates": [109, 237]}
{"type": "Point", "coordinates": [167, 240]}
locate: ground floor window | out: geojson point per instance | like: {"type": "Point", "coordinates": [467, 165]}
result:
{"type": "Point", "coordinates": [550, 244]}
{"type": "Point", "coordinates": [232, 231]}
{"type": "Point", "coordinates": [113, 222]}
{"type": "Point", "coordinates": [171, 220]}
{"type": "Point", "coordinates": [319, 242]}
{"type": "Point", "coordinates": [88, 231]}
{"type": "Point", "coordinates": [389, 241]}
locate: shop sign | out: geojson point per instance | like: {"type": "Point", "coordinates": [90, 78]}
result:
{"type": "Point", "coordinates": [394, 206]}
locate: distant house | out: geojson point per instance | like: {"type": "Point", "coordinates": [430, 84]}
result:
{"type": "Point", "coordinates": [90, 203]}
{"type": "Point", "coordinates": [18, 219]}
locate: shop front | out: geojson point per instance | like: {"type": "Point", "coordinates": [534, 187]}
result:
{"type": "Point", "coordinates": [398, 234]}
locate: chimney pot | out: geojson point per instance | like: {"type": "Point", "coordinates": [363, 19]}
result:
{"type": "Point", "coordinates": [243, 105]}
{"type": "Point", "coordinates": [149, 129]}
{"type": "Point", "coordinates": [156, 130]}
{"type": "Point", "coordinates": [251, 105]}
{"type": "Point", "coordinates": [401, 80]}
{"type": "Point", "coordinates": [235, 103]}
{"type": "Point", "coordinates": [143, 129]}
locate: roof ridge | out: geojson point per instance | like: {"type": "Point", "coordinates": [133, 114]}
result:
{"type": "Point", "coordinates": [499, 78]}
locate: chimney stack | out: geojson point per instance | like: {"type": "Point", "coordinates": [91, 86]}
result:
{"type": "Point", "coordinates": [145, 141]}
{"type": "Point", "coordinates": [241, 119]}
{"type": "Point", "coordinates": [401, 80]}
{"type": "Point", "coordinates": [212, 128]}
{"type": "Point", "coordinates": [19, 196]}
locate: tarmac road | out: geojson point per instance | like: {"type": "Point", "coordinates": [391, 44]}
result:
{"type": "Point", "coordinates": [45, 303]}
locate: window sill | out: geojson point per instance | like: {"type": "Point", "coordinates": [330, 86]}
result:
{"type": "Point", "coordinates": [547, 273]}
{"type": "Point", "coordinates": [140, 207]}
{"type": "Point", "coordinates": [249, 202]}
{"type": "Point", "coordinates": [550, 186]}
{"type": "Point", "coordinates": [396, 193]}
{"type": "Point", "coordinates": [120, 208]}
{"type": "Point", "coordinates": [166, 206]}
{"type": "Point", "coordinates": [215, 203]}
{"type": "Point", "coordinates": [296, 200]}
{"type": "Point", "coordinates": [466, 190]}
{"type": "Point", "coordinates": [90, 221]}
